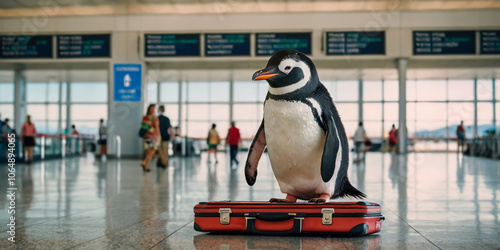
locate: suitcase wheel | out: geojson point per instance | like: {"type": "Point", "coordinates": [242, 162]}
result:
{"type": "Point", "coordinates": [360, 229]}
{"type": "Point", "coordinates": [197, 228]}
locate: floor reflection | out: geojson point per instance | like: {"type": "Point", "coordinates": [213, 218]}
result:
{"type": "Point", "coordinates": [217, 241]}
{"type": "Point", "coordinates": [429, 200]}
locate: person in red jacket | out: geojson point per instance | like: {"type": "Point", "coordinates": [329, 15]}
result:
{"type": "Point", "coordinates": [233, 139]}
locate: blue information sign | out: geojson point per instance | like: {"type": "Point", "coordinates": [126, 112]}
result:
{"type": "Point", "coordinates": [25, 46]}
{"type": "Point", "coordinates": [355, 43]}
{"type": "Point", "coordinates": [269, 43]}
{"type": "Point", "coordinates": [227, 44]}
{"type": "Point", "coordinates": [444, 42]}
{"type": "Point", "coordinates": [127, 82]}
{"type": "Point", "coordinates": [490, 42]}
{"type": "Point", "coordinates": [167, 45]}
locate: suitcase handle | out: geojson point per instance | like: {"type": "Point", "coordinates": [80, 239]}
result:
{"type": "Point", "coordinates": [272, 216]}
{"type": "Point", "coordinates": [296, 228]}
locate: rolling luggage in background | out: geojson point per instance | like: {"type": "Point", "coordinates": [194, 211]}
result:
{"type": "Point", "coordinates": [342, 218]}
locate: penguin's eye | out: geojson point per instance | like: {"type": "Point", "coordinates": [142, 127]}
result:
{"type": "Point", "coordinates": [288, 68]}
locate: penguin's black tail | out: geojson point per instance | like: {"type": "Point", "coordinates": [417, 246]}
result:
{"type": "Point", "coordinates": [349, 190]}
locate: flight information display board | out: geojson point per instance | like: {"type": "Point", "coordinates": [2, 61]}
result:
{"type": "Point", "coordinates": [269, 43]}
{"type": "Point", "coordinates": [78, 46]}
{"type": "Point", "coordinates": [167, 45]}
{"type": "Point", "coordinates": [355, 43]}
{"type": "Point", "coordinates": [227, 44]}
{"type": "Point", "coordinates": [15, 47]}
{"type": "Point", "coordinates": [490, 42]}
{"type": "Point", "coordinates": [444, 42]}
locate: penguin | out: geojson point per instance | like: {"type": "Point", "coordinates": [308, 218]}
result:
{"type": "Point", "coordinates": [302, 130]}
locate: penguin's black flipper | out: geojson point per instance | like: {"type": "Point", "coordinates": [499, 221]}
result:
{"type": "Point", "coordinates": [254, 153]}
{"type": "Point", "coordinates": [332, 146]}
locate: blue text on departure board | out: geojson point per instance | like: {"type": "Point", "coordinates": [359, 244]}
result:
{"type": "Point", "coordinates": [444, 42]}
{"type": "Point", "coordinates": [168, 45]}
{"type": "Point", "coordinates": [227, 44]}
{"type": "Point", "coordinates": [355, 43]}
{"type": "Point", "coordinates": [490, 42]}
{"type": "Point", "coordinates": [78, 46]}
{"type": "Point", "coordinates": [25, 47]}
{"type": "Point", "coordinates": [269, 43]}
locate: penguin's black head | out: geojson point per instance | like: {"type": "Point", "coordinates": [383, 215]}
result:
{"type": "Point", "coordinates": [286, 71]}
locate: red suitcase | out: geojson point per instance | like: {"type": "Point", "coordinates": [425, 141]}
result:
{"type": "Point", "coordinates": [343, 218]}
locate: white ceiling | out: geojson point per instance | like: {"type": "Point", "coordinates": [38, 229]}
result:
{"type": "Point", "coordinates": [13, 8]}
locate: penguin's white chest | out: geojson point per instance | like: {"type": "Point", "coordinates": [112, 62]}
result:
{"type": "Point", "coordinates": [295, 145]}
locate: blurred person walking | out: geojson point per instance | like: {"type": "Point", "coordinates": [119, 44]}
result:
{"type": "Point", "coordinates": [213, 140]}
{"type": "Point", "coordinates": [73, 131]}
{"type": "Point", "coordinates": [233, 139]}
{"type": "Point", "coordinates": [103, 139]}
{"type": "Point", "coordinates": [167, 133]}
{"type": "Point", "coordinates": [150, 121]}
{"type": "Point", "coordinates": [4, 138]}
{"type": "Point", "coordinates": [359, 138]}
{"type": "Point", "coordinates": [393, 139]}
{"type": "Point", "coordinates": [460, 136]}
{"type": "Point", "coordinates": [28, 133]}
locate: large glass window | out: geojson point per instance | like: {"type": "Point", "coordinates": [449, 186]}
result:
{"type": "Point", "coordinates": [431, 90]}
{"type": "Point", "coordinates": [372, 91]}
{"type": "Point", "coordinates": [485, 89]}
{"type": "Point", "coordinates": [391, 90]}
{"type": "Point", "coordinates": [248, 109]}
{"type": "Point", "coordinates": [484, 118]}
{"type": "Point", "coordinates": [89, 92]}
{"type": "Point", "coordinates": [88, 105]}
{"type": "Point", "coordinates": [7, 102]}
{"type": "Point", "coordinates": [343, 90]}
{"type": "Point", "coordinates": [152, 96]}
{"type": "Point", "coordinates": [372, 117]}
{"type": "Point", "coordinates": [461, 90]}
{"type": "Point", "coordinates": [43, 106]}
{"type": "Point", "coordinates": [206, 103]}
{"type": "Point", "coordinates": [169, 92]}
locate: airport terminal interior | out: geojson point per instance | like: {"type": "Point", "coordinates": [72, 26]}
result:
{"type": "Point", "coordinates": [430, 69]}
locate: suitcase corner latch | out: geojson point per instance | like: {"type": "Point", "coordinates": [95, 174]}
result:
{"type": "Point", "coordinates": [327, 215]}
{"type": "Point", "coordinates": [225, 215]}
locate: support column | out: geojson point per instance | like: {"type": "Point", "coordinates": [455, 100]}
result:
{"type": "Point", "coordinates": [360, 100]}
{"type": "Point", "coordinates": [179, 110]}
{"type": "Point", "coordinates": [475, 108]}
{"type": "Point", "coordinates": [68, 103]}
{"type": "Point", "coordinates": [231, 98]}
{"type": "Point", "coordinates": [19, 100]}
{"type": "Point", "coordinates": [494, 106]}
{"type": "Point", "coordinates": [402, 64]}
{"type": "Point", "coordinates": [59, 110]}
{"type": "Point", "coordinates": [382, 133]}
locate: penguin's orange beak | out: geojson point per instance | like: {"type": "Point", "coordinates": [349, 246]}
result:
{"type": "Point", "coordinates": [263, 74]}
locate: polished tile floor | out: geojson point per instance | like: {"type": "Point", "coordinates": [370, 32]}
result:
{"type": "Point", "coordinates": [430, 201]}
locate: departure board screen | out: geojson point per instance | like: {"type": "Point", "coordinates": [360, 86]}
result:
{"type": "Point", "coordinates": [269, 43]}
{"type": "Point", "coordinates": [15, 47]}
{"type": "Point", "coordinates": [355, 43]}
{"type": "Point", "coordinates": [227, 44]}
{"type": "Point", "coordinates": [444, 42]}
{"type": "Point", "coordinates": [490, 42]}
{"type": "Point", "coordinates": [78, 46]}
{"type": "Point", "coordinates": [168, 45]}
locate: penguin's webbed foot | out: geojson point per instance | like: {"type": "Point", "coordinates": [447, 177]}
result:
{"type": "Point", "coordinates": [317, 200]}
{"type": "Point", "coordinates": [321, 199]}
{"type": "Point", "coordinates": [288, 199]}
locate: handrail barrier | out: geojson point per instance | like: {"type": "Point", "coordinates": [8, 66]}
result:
{"type": "Point", "coordinates": [488, 147]}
